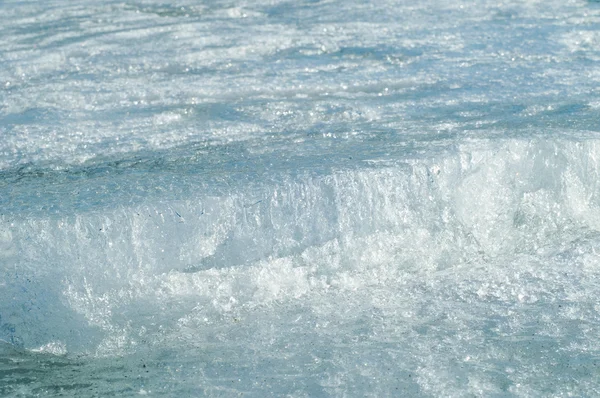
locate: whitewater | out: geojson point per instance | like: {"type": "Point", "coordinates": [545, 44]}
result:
{"type": "Point", "coordinates": [315, 198]}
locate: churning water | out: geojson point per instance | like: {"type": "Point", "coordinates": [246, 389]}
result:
{"type": "Point", "coordinates": [310, 198]}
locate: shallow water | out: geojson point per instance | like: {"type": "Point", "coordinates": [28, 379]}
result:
{"type": "Point", "coordinates": [320, 198]}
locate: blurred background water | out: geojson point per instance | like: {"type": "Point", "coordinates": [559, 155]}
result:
{"type": "Point", "coordinates": [312, 198]}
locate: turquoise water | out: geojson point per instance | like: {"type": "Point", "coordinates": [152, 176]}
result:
{"type": "Point", "coordinates": [317, 198]}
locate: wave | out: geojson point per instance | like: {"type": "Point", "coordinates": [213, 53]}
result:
{"type": "Point", "coordinates": [105, 277]}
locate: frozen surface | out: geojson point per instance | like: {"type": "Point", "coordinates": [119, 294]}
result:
{"type": "Point", "coordinates": [315, 198]}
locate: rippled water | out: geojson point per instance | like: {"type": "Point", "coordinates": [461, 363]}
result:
{"type": "Point", "coordinates": [317, 198]}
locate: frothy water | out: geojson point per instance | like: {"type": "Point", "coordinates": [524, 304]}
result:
{"type": "Point", "coordinates": [299, 199]}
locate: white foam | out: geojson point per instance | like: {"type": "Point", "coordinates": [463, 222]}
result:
{"type": "Point", "coordinates": [53, 347]}
{"type": "Point", "coordinates": [307, 240]}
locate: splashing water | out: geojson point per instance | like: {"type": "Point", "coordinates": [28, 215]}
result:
{"type": "Point", "coordinates": [308, 199]}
